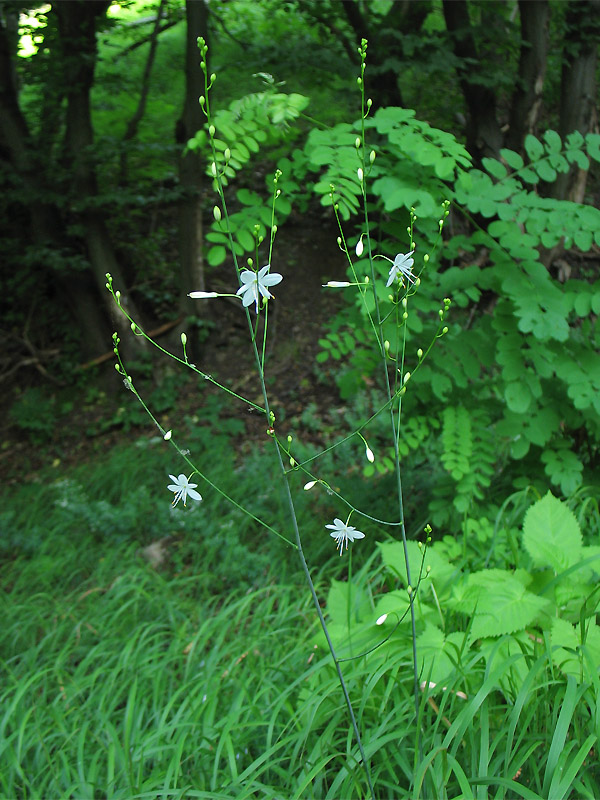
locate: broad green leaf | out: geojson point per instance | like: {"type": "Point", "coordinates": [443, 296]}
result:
{"type": "Point", "coordinates": [551, 534]}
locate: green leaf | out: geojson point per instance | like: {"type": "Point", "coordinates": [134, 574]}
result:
{"type": "Point", "coordinates": [498, 602]}
{"type": "Point", "coordinates": [513, 159]}
{"type": "Point", "coordinates": [533, 147]}
{"type": "Point", "coordinates": [551, 534]}
{"type": "Point", "coordinates": [553, 141]}
{"type": "Point", "coordinates": [518, 397]}
{"type": "Point", "coordinates": [495, 168]}
{"type": "Point", "coordinates": [216, 255]}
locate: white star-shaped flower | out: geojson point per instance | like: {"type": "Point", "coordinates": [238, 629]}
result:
{"type": "Point", "coordinates": [183, 489]}
{"type": "Point", "coordinates": [344, 533]}
{"type": "Point", "coordinates": [402, 268]}
{"type": "Point", "coordinates": [257, 283]}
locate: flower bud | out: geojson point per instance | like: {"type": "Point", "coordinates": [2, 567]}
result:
{"type": "Point", "coordinates": [212, 130]}
{"type": "Point", "coordinates": [183, 339]}
{"type": "Point", "coordinates": [217, 213]}
{"type": "Point", "coordinates": [372, 155]}
{"type": "Point", "coordinates": [167, 435]}
{"type": "Point", "coordinates": [338, 284]}
{"type": "Point", "coordinates": [309, 485]}
{"type": "Point", "coordinates": [406, 378]}
{"type": "Point", "coordinates": [213, 77]}
{"type": "Point", "coordinates": [369, 454]}
{"type": "Point", "coordinates": [419, 354]}
{"type": "Point", "coordinates": [381, 619]}
{"type": "Point", "coordinates": [227, 154]}
{"type": "Point", "coordinates": [405, 315]}
{"type": "Point", "coordinates": [357, 142]}
{"type": "Point", "coordinates": [359, 247]}
{"type": "Point", "coordinates": [445, 329]}
{"type": "Point", "coordinates": [213, 169]}
{"type": "Point", "coordinates": [360, 174]}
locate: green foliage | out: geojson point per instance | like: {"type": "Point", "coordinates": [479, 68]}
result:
{"type": "Point", "coordinates": [549, 593]}
{"type": "Point", "coordinates": [528, 374]}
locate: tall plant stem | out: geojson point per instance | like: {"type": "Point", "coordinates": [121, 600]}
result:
{"type": "Point", "coordinates": [388, 389]}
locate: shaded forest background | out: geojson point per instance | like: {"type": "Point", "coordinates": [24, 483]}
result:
{"type": "Point", "coordinates": [98, 101]}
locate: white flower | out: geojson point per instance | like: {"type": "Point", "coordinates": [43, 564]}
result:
{"type": "Point", "coordinates": [344, 533]}
{"type": "Point", "coordinates": [255, 282]}
{"type": "Point", "coordinates": [183, 488]}
{"type": "Point", "coordinates": [401, 267]}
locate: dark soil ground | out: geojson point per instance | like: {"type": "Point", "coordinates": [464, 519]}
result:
{"type": "Point", "coordinates": [307, 255]}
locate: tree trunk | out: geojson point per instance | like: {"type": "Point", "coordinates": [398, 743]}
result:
{"type": "Point", "coordinates": [46, 228]}
{"type": "Point", "coordinates": [578, 90]}
{"type": "Point", "coordinates": [483, 134]}
{"type": "Point", "coordinates": [191, 165]}
{"type": "Point", "coordinates": [77, 34]}
{"type": "Point", "coordinates": [527, 96]}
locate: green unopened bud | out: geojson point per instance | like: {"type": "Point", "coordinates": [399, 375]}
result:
{"type": "Point", "coordinates": [118, 295]}
{"type": "Point", "coordinates": [369, 103]}
{"type": "Point", "coordinates": [419, 354]}
{"type": "Point", "coordinates": [202, 100]}
{"type": "Point", "coordinates": [404, 302]}
{"type": "Point", "coordinates": [213, 77]}
{"type": "Point", "coordinates": [406, 378]}
{"type": "Point", "coordinates": [386, 345]}
{"type": "Point", "coordinates": [426, 258]}
{"type": "Point", "coordinates": [441, 314]}
{"type": "Point", "coordinates": [405, 315]}
{"type": "Point", "coordinates": [217, 213]}
{"type": "Point", "coordinates": [183, 339]}
{"type": "Point", "coordinates": [227, 154]}
{"type": "Point", "coordinates": [133, 327]}
{"type": "Point", "coordinates": [289, 438]}
{"type": "Point", "coordinates": [292, 462]}
{"type": "Point", "coordinates": [212, 130]}
{"type": "Point", "coordinates": [357, 142]}
{"type": "Point", "coordinates": [445, 329]}
{"type": "Point", "coordinates": [372, 155]}
{"type": "Point", "coordinates": [274, 229]}
{"type": "Point", "coordinates": [213, 169]}
{"type": "Point", "coordinates": [249, 262]}
{"type": "Point", "coordinates": [359, 80]}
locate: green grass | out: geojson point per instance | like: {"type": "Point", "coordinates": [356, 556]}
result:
{"type": "Point", "coordinates": [202, 679]}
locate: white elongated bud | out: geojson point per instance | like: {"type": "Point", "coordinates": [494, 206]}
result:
{"type": "Point", "coordinates": [372, 155]}
{"type": "Point", "coordinates": [202, 295]}
{"type": "Point", "coordinates": [227, 154]}
{"type": "Point", "coordinates": [381, 619]}
{"type": "Point", "coordinates": [309, 485]}
{"type": "Point", "coordinates": [357, 142]}
{"type": "Point", "coordinates": [406, 378]}
{"type": "Point", "coordinates": [183, 339]}
{"type": "Point", "coordinates": [370, 454]}
{"type": "Point", "coordinates": [360, 174]}
{"type": "Point", "coordinates": [211, 130]}
{"type": "Point", "coordinates": [337, 284]}
{"type": "Point", "coordinates": [167, 435]}
{"type": "Point", "coordinates": [217, 213]}
{"type": "Point", "coordinates": [213, 169]}
{"type": "Point", "coordinates": [359, 247]}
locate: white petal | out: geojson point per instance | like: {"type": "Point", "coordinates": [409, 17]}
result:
{"type": "Point", "coordinates": [202, 295]}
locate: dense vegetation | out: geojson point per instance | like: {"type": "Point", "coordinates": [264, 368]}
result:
{"type": "Point", "coordinates": [158, 651]}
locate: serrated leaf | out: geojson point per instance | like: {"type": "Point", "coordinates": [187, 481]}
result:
{"type": "Point", "coordinates": [499, 603]}
{"type": "Point", "coordinates": [551, 534]}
